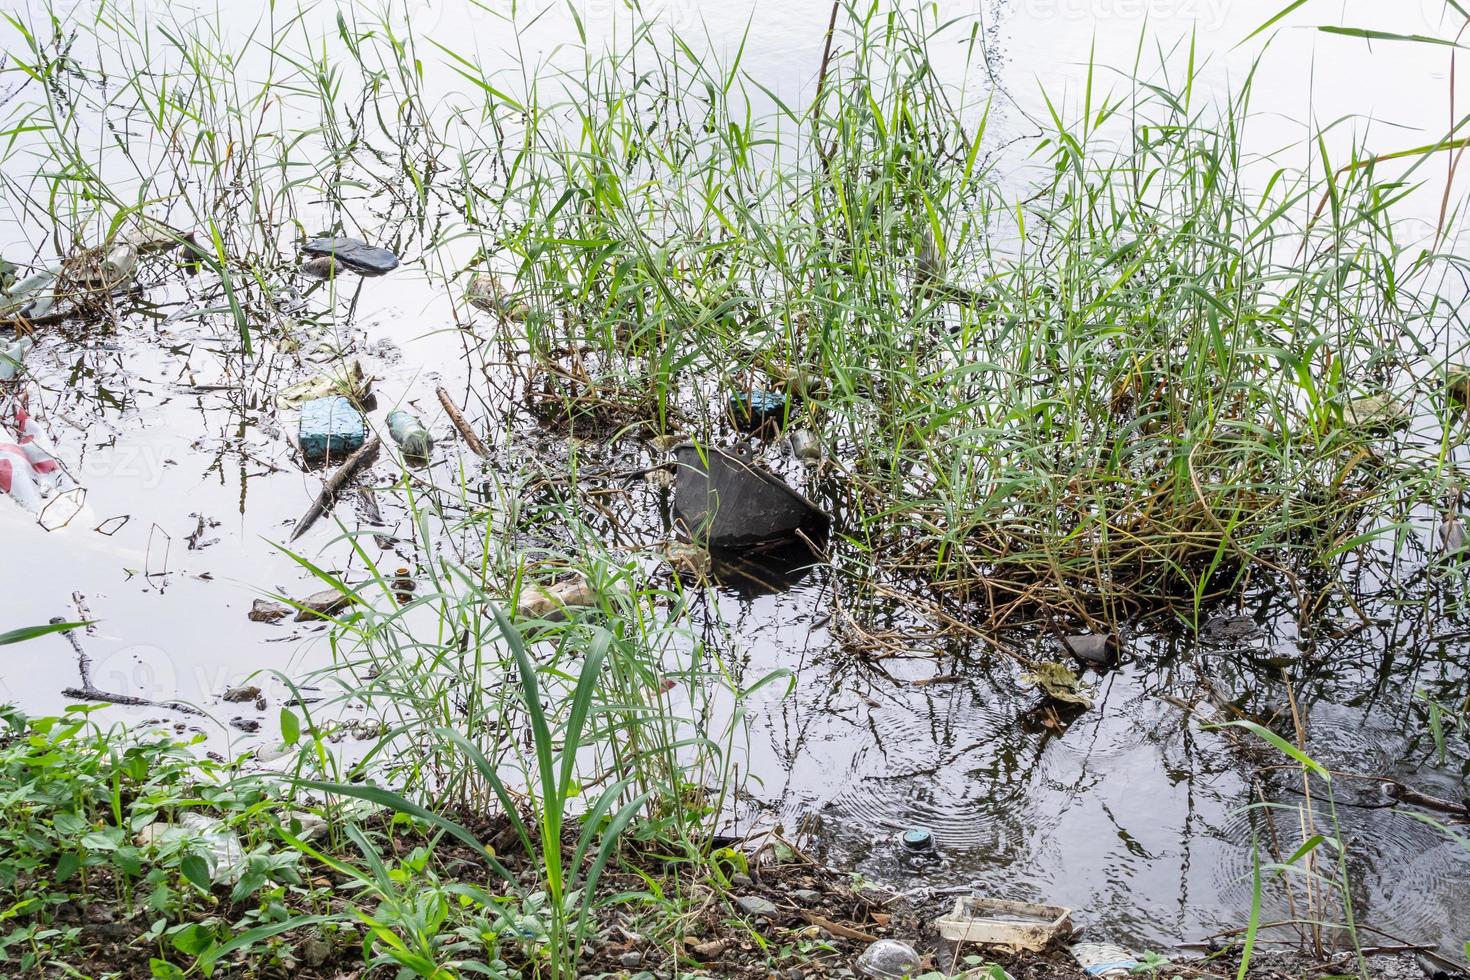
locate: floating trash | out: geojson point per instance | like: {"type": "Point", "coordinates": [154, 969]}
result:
{"type": "Point", "coordinates": [13, 355]}
{"type": "Point", "coordinates": [351, 382]}
{"type": "Point", "coordinates": [30, 474]}
{"type": "Point", "coordinates": [1001, 922]}
{"type": "Point", "coordinates": [918, 839]}
{"type": "Point", "coordinates": [753, 410]}
{"type": "Point", "coordinates": [147, 234]}
{"type": "Point", "coordinates": [727, 501]}
{"type": "Point", "coordinates": [888, 959]}
{"type": "Point", "coordinates": [412, 437]}
{"type": "Point", "coordinates": [31, 297]}
{"type": "Point", "coordinates": [1104, 959]}
{"type": "Point", "coordinates": [331, 429]}
{"type": "Point", "coordinates": [354, 254]}
{"type": "Point", "coordinates": [485, 292]}
{"type": "Point", "coordinates": [1093, 649]}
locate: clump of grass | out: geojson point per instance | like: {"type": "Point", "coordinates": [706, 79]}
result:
{"type": "Point", "coordinates": [1137, 384]}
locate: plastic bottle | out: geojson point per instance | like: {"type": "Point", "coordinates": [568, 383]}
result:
{"type": "Point", "coordinates": [411, 436]}
{"type": "Point", "coordinates": [13, 355]}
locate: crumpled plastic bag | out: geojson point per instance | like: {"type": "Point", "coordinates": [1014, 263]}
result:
{"type": "Point", "coordinates": [30, 475]}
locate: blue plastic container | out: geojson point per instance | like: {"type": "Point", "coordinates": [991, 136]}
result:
{"type": "Point", "coordinates": [331, 430]}
{"type": "Point", "coordinates": [753, 409]}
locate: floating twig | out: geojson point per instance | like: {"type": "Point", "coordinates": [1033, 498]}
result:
{"type": "Point", "coordinates": [335, 483]}
{"type": "Point", "coordinates": [473, 441]}
{"type": "Point", "coordinates": [89, 692]}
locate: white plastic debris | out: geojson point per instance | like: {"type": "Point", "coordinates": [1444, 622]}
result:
{"type": "Point", "coordinates": [208, 836]}
{"type": "Point", "coordinates": [888, 959]}
{"type": "Point", "coordinates": [28, 472]}
{"type": "Point", "coordinates": [221, 846]}
{"type": "Point", "coordinates": [1103, 959]}
{"type": "Point", "coordinates": [13, 355]}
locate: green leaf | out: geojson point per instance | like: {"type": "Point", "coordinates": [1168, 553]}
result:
{"type": "Point", "coordinates": [1283, 746]}
{"type": "Point", "coordinates": [196, 869]}
{"type": "Point", "coordinates": [1255, 919]}
{"type": "Point", "coordinates": [290, 727]}
{"type": "Point", "coordinates": [1281, 15]}
{"type": "Point", "coordinates": [382, 797]}
{"type": "Point", "coordinates": [70, 824]}
{"type": "Point", "coordinates": [1386, 36]}
{"type": "Point", "coordinates": [164, 970]}
{"type": "Point", "coordinates": [193, 939]}
{"type": "Point", "coordinates": [251, 936]}
{"type": "Point", "coordinates": [67, 865]}
{"type": "Point", "coordinates": [31, 632]}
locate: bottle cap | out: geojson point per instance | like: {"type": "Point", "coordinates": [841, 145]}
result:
{"type": "Point", "coordinates": [918, 839]}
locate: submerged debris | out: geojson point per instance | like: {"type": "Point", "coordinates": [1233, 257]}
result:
{"type": "Point", "coordinates": [805, 446]}
{"type": "Point", "coordinates": [552, 603]}
{"type": "Point", "coordinates": [335, 485]}
{"type": "Point", "coordinates": [485, 292]}
{"type": "Point", "coordinates": [726, 501]}
{"type": "Point", "coordinates": [323, 604]}
{"type": "Point", "coordinates": [351, 382]}
{"type": "Point", "coordinates": [1377, 413]}
{"type": "Point", "coordinates": [319, 267]}
{"type": "Point", "coordinates": [457, 417]}
{"type": "Point", "coordinates": [354, 254]}
{"type": "Point", "coordinates": [685, 559]}
{"type": "Point", "coordinates": [1057, 683]}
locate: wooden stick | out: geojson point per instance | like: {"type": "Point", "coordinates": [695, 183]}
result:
{"type": "Point", "coordinates": [334, 485]}
{"type": "Point", "coordinates": [473, 441]}
{"type": "Point", "coordinates": [87, 692]}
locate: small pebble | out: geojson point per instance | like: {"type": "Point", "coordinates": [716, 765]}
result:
{"type": "Point", "coordinates": [807, 896]}
{"type": "Point", "coordinates": [315, 952]}
{"type": "Point", "coordinates": [741, 880]}
{"type": "Point", "coordinates": [755, 905]}
{"type": "Point", "coordinates": [631, 960]}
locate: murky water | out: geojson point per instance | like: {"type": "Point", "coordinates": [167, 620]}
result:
{"type": "Point", "coordinates": [1129, 812]}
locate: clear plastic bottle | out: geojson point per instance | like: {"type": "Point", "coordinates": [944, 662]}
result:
{"type": "Point", "coordinates": [411, 436]}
